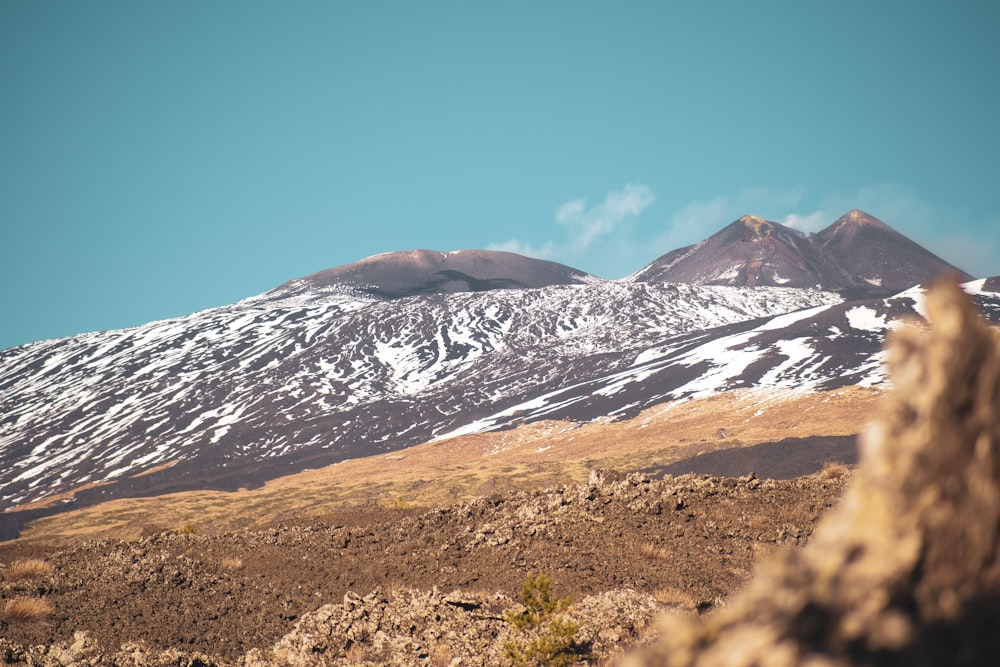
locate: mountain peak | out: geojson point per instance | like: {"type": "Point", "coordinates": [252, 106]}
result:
{"type": "Point", "coordinates": [759, 226]}
{"type": "Point", "coordinates": [856, 218]}
{"type": "Point", "coordinates": [411, 272]}
{"type": "Point", "coordinates": [858, 255]}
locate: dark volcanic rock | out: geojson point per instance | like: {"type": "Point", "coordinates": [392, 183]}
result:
{"type": "Point", "coordinates": [408, 273]}
{"type": "Point", "coordinates": [858, 255]}
{"type": "Point", "coordinates": [785, 459]}
{"type": "Point", "coordinates": [748, 252]}
{"type": "Point", "coordinates": [869, 251]}
{"type": "Point", "coordinates": [399, 587]}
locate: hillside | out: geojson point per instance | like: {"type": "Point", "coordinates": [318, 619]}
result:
{"type": "Point", "coordinates": [230, 397]}
{"type": "Point", "coordinates": [686, 543]}
{"type": "Point", "coordinates": [409, 587]}
{"type": "Point", "coordinates": [408, 348]}
{"type": "Point", "coordinates": [858, 256]}
{"type": "Point", "coordinates": [402, 274]}
{"type": "Point", "coordinates": [781, 436]}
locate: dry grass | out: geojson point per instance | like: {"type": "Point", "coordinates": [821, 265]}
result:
{"type": "Point", "coordinates": [677, 599]}
{"type": "Point", "coordinates": [26, 611]}
{"type": "Point", "coordinates": [650, 550]}
{"type": "Point", "coordinates": [834, 470]}
{"type": "Point", "coordinates": [22, 570]}
{"type": "Point", "coordinates": [231, 563]}
{"type": "Point", "coordinates": [445, 472]}
{"type": "Point", "coordinates": [798, 514]}
{"type": "Point", "coordinates": [188, 529]}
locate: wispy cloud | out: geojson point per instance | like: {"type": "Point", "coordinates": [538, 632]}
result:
{"type": "Point", "coordinates": [588, 224]}
{"type": "Point", "coordinates": [513, 245]}
{"type": "Point", "coordinates": [810, 222]}
{"type": "Point", "coordinates": [584, 225]}
{"type": "Point", "coordinates": [699, 219]}
{"type": "Point", "coordinates": [606, 238]}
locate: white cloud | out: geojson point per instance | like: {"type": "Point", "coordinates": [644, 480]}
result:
{"type": "Point", "coordinates": [625, 247]}
{"type": "Point", "coordinates": [587, 225]}
{"type": "Point", "coordinates": [812, 222]}
{"type": "Point", "coordinates": [528, 250]}
{"type": "Point", "coordinates": [700, 219]}
{"type": "Point", "coordinates": [583, 226]}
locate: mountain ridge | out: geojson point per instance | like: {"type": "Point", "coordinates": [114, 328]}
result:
{"type": "Point", "coordinates": [415, 272]}
{"type": "Point", "coordinates": [857, 255]}
{"type": "Point", "coordinates": [319, 370]}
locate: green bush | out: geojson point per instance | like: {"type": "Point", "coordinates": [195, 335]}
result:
{"type": "Point", "coordinates": [547, 638]}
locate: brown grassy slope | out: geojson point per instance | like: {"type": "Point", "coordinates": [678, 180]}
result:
{"type": "Point", "coordinates": [688, 542]}
{"type": "Point", "coordinates": [444, 472]}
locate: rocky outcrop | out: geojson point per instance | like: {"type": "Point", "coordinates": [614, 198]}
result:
{"type": "Point", "coordinates": [432, 628]}
{"type": "Point", "coordinates": [419, 585]}
{"type": "Point", "coordinates": [906, 570]}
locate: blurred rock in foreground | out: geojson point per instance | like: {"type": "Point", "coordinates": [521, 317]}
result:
{"type": "Point", "coordinates": [906, 570]}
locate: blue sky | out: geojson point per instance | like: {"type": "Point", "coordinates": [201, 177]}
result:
{"type": "Point", "coordinates": [157, 158]}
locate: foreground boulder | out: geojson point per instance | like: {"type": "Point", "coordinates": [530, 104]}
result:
{"type": "Point", "coordinates": [906, 570]}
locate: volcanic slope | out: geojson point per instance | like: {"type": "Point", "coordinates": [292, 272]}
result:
{"type": "Point", "coordinates": [814, 379]}
{"type": "Point", "coordinates": [235, 395]}
{"type": "Point", "coordinates": [317, 371]}
{"type": "Point", "coordinates": [780, 436]}
{"type": "Point", "coordinates": [409, 273]}
{"type": "Point", "coordinates": [688, 542]}
{"type": "Point", "coordinates": [858, 255]}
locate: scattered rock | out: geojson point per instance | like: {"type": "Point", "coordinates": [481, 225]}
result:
{"type": "Point", "coordinates": [906, 569]}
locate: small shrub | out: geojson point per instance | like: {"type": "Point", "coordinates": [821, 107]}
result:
{"type": "Point", "coordinates": [32, 568]}
{"type": "Point", "coordinates": [189, 529]}
{"type": "Point", "coordinates": [398, 503]}
{"type": "Point", "coordinates": [536, 596]}
{"type": "Point", "coordinates": [547, 638]}
{"type": "Point", "coordinates": [676, 598]}
{"type": "Point", "coordinates": [833, 470]}
{"type": "Point", "coordinates": [26, 611]}
{"type": "Point", "coordinates": [556, 646]}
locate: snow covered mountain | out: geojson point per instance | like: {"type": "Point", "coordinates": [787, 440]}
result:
{"type": "Point", "coordinates": [398, 274]}
{"type": "Point", "coordinates": [344, 364]}
{"type": "Point", "coordinates": [233, 395]}
{"type": "Point", "coordinates": [858, 256]}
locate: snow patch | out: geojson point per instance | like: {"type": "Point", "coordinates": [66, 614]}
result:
{"type": "Point", "coordinates": [864, 318]}
{"type": "Point", "coordinates": [974, 287]}
{"type": "Point", "coordinates": [784, 321]}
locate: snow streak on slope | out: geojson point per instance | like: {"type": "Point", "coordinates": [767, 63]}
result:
{"type": "Point", "coordinates": [307, 380]}
{"type": "Point", "coordinates": [818, 348]}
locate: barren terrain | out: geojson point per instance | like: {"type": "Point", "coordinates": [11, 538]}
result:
{"type": "Point", "coordinates": [741, 430]}
{"type": "Point", "coordinates": [453, 527]}
{"type": "Point", "coordinates": [686, 542]}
